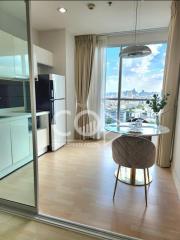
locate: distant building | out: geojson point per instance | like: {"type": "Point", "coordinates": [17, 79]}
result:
{"type": "Point", "coordinates": [123, 116]}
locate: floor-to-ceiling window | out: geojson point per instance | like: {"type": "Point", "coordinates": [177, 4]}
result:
{"type": "Point", "coordinates": [130, 82]}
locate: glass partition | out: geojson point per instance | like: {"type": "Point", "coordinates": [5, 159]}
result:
{"type": "Point", "coordinates": [16, 145]}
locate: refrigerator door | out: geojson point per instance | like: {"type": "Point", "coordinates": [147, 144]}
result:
{"type": "Point", "coordinates": [58, 88]}
{"type": "Point", "coordinates": [43, 94]}
{"type": "Point", "coordinates": [58, 125]}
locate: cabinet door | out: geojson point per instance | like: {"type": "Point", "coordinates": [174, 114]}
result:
{"type": "Point", "coordinates": [5, 147]}
{"type": "Point", "coordinates": [20, 140]}
{"type": "Point", "coordinates": [21, 58]}
{"type": "Point", "coordinates": [43, 56]}
{"type": "Point", "coordinates": [6, 55]}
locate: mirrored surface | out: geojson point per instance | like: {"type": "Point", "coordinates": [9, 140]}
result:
{"type": "Point", "coordinates": [16, 151]}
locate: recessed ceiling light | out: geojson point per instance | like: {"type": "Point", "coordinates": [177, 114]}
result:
{"type": "Point", "coordinates": [62, 10]}
{"type": "Point", "coordinates": [91, 6]}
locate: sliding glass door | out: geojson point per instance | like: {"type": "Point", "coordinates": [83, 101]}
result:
{"type": "Point", "coordinates": [17, 125]}
{"type": "Point", "coordinates": [130, 82]}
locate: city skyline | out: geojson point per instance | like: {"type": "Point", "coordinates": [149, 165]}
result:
{"type": "Point", "coordinates": [133, 92]}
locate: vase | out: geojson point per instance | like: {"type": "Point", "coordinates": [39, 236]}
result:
{"type": "Point", "coordinates": [157, 118]}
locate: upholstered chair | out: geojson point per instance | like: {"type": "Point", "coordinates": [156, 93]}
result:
{"type": "Point", "coordinates": [133, 152]}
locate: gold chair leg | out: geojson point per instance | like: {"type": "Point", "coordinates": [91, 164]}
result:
{"type": "Point", "coordinates": [145, 186]}
{"type": "Point", "coordinates": [116, 182]}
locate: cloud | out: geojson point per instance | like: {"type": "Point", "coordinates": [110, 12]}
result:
{"type": "Point", "coordinates": [142, 65]}
{"type": "Point", "coordinates": [155, 48]}
{"type": "Point", "coordinates": [112, 83]}
{"type": "Point", "coordinates": [113, 67]}
{"type": "Point", "coordinates": [149, 82]}
{"type": "Point", "coordinates": [140, 73]}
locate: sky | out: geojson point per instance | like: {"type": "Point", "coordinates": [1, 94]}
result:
{"type": "Point", "coordinates": [144, 73]}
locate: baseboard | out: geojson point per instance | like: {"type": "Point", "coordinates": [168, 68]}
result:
{"type": "Point", "coordinates": [176, 181]}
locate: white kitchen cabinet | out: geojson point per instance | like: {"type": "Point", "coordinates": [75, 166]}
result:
{"type": "Point", "coordinates": [16, 145]}
{"type": "Point", "coordinates": [13, 57]}
{"type": "Point", "coordinates": [20, 140]}
{"type": "Point", "coordinates": [43, 56]}
{"type": "Point", "coordinates": [21, 62]}
{"type": "Point", "coordinates": [5, 146]}
{"type": "Point", "coordinates": [42, 141]}
{"type": "Point", "coordinates": [7, 69]}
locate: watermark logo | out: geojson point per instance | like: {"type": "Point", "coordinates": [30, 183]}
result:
{"type": "Point", "coordinates": [92, 129]}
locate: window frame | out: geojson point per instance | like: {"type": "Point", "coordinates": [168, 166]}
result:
{"type": "Point", "coordinates": [119, 98]}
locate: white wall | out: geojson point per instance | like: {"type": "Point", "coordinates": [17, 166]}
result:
{"type": "Point", "coordinates": [61, 44]}
{"type": "Point", "coordinates": [35, 37]}
{"type": "Point", "coordinates": [54, 41]}
{"type": "Point", "coordinates": [70, 82]}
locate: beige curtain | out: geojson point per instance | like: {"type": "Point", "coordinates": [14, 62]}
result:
{"type": "Point", "coordinates": [84, 56]}
{"type": "Point", "coordinates": [170, 85]}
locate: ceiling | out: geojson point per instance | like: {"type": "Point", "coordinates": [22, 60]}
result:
{"type": "Point", "coordinates": [103, 19]}
{"type": "Point", "coordinates": [14, 8]}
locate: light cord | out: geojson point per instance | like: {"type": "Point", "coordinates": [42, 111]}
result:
{"type": "Point", "coordinates": [136, 22]}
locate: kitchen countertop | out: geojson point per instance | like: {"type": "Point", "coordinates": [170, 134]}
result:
{"type": "Point", "coordinates": [12, 116]}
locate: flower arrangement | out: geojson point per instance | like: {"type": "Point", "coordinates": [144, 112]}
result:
{"type": "Point", "coordinates": [157, 103]}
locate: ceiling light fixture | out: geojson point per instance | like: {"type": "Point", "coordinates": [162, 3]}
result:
{"type": "Point", "coordinates": [62, 10]}
{"type": "Point", "coordinates": [110, 3]}
{"type": "Point", "coordinates": [91, 6]}
{"type": "Point", "coordinates": [135, 50]}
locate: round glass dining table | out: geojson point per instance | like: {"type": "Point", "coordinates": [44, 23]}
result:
{"type": "Point", "coordinates": [130, 175]}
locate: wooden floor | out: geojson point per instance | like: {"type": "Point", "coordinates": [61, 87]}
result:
{"type": "Point", "coordinates": [76, 183]}
{"type": "Point", "coordinates": [19, 186]}
{"type": "Point", "coordinates": [16, 228]}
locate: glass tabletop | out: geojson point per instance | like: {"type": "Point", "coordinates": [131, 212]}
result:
{"type": "Point", "coordinates": [147, 129]}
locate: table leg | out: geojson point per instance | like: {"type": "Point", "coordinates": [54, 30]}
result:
{"type": "Point", "coordinates": [133, 176]}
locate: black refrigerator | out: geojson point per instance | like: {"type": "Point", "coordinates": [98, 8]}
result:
{"type": "Point", "coordinates": [50, 96]}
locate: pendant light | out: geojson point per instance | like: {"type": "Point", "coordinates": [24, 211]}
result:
{"type": "Point", "coordinates": [136, 50]}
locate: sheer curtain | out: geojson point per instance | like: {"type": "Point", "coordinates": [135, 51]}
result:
{"type": "Point", "coordinates": [97, 90]}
